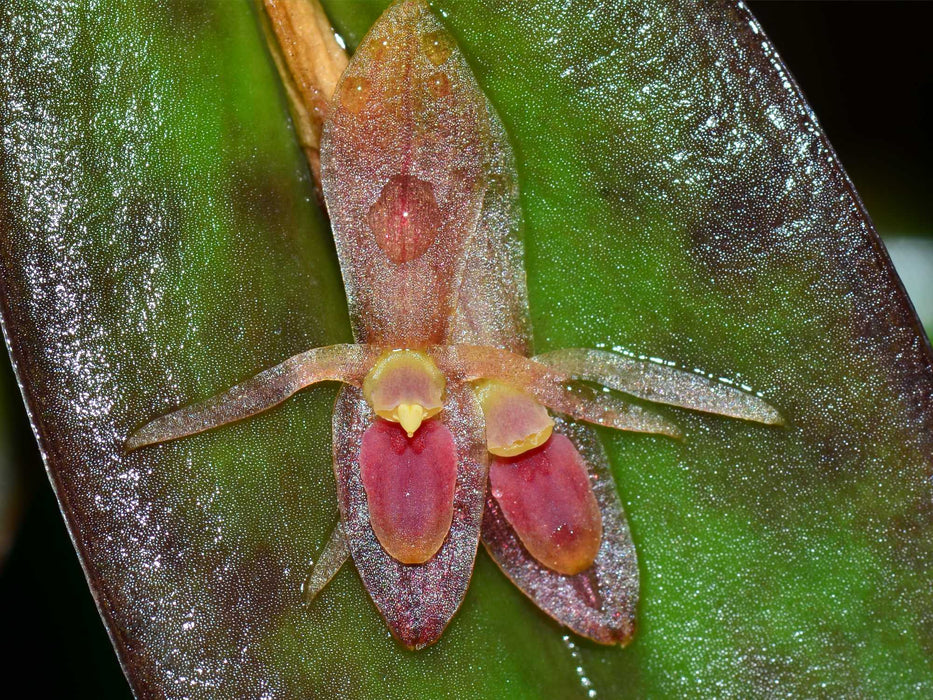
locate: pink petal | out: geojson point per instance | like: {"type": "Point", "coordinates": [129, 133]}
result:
{"type": "Point", "coordinates": [546, 496]}
{"type": "Point", "coordinates": [416, 600]}
{"type": "Point", "coordinates": [409, 484]}
{"type": "Point", "coordinates": [598, 603]}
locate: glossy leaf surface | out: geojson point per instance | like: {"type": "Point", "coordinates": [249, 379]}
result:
{"type": "Point", "coordinates": [11, 495]}
{"type": "Point", "coordinates": [160, 243]}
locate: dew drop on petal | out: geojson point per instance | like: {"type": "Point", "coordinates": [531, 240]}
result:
{"type": "Point", "coordinates": [439, 84]}
{"type": "Point", "coordinates": [437, 46]}
{"type": "Point", "coordinates": [380, 50]}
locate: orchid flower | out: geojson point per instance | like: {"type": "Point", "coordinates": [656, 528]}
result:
{"type": "Point", "coordinates": [442, 434]}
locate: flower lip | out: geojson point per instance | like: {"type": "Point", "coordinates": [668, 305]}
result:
{"type": "Point", "coordinates": [547, 498]}
{"type": "Point", "coordinates": [409, 484]}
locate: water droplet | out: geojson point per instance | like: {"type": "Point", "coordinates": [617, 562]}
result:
{"type": "Point", "coordinates": [585, 681]}
{"type": "Point", "coordinates": [354, 93]}
{"type": "Point", "coordinates": [439, 84]}
{"type": "Point", "coordinates": [437, 46]}
{"type": "Point", "coordinates": [380, 49]}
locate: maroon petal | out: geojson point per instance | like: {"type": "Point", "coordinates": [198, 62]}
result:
{"type": "Point", "coordinates": [416, 600]}
{"type": "Point", "coordinates": [598, 603]}
{"type": "Point", "coordinates": [546, 496]}
{"type": "Point", "coordinates": [409, 484]}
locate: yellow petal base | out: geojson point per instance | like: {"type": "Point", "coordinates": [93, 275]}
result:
{"type": "Point", "coordinates": [515, 422]}
{"type": "Point", "coordinates": [405, 387]}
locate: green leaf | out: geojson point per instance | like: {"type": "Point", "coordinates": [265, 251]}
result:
{"type": "Point", "coordinates": [159, 243]}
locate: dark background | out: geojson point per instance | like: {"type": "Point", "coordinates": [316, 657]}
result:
{"type": "Point", "coordinates": [867, 71]}
{"type": "Point", "coordinates": [865, 67]}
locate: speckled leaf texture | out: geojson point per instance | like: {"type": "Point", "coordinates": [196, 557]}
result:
{"type": "Point", "coordinates": [160, 241]}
